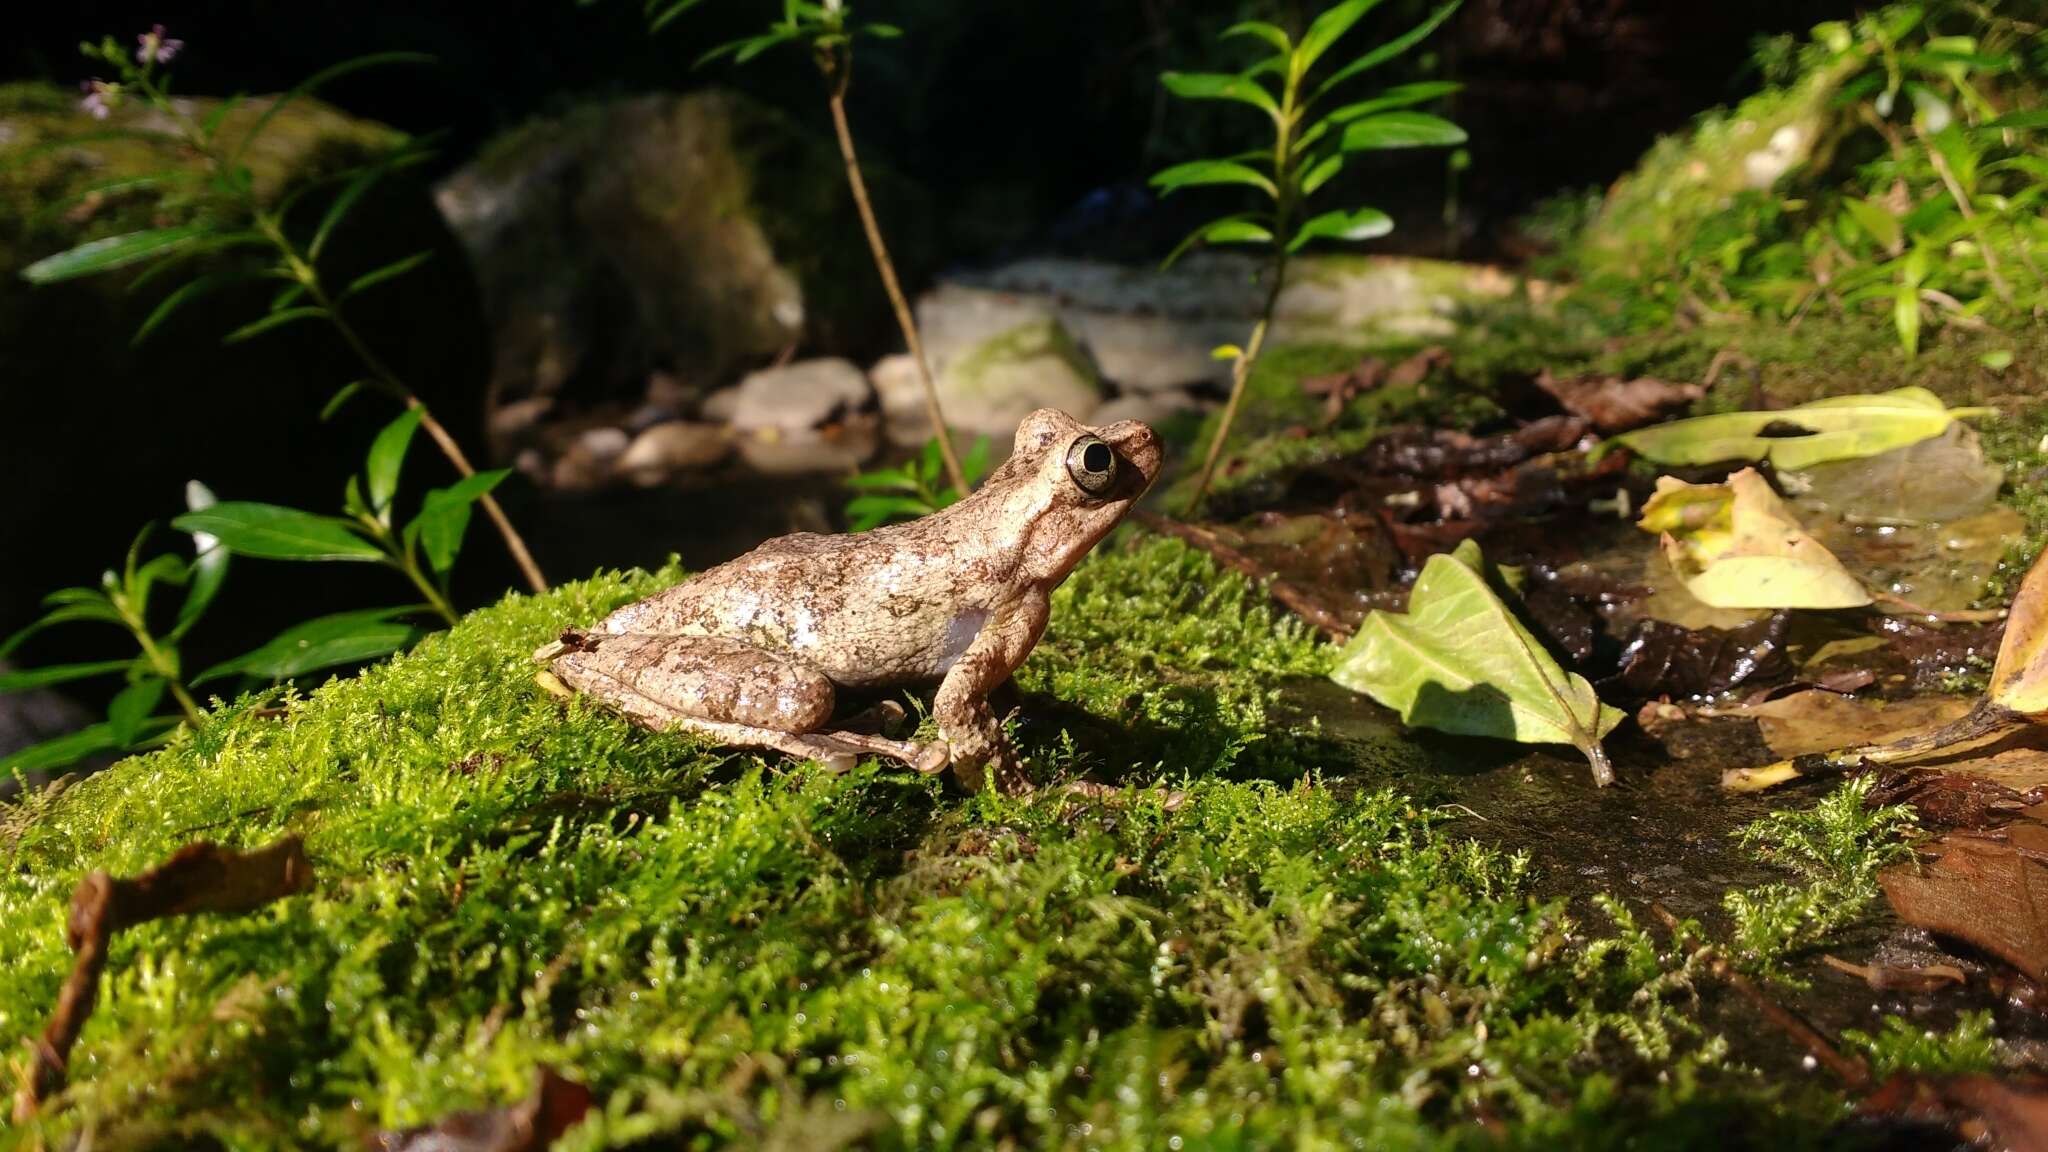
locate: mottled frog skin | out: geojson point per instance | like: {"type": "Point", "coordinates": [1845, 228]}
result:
{"type": "Point", "coordinates": [754, 651]}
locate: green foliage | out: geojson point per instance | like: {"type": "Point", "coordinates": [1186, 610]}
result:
{"type": "Point", "coordinates": [1897, 174]}
{"type": "Point", "coordinates": [1899, 1046]}
{"type": "Point", "coordinates": [1308, 146]}
{"type": "Point", "coordinates": [1837, 847]}
{"type": "Point", "coordinates": [732, 952]}
{"type": "Point", "coordinates": [917, 487]}
{"type": "Point", "coordinates": [123, 601]}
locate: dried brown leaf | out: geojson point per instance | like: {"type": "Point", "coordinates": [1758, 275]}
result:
{"type": "Point", "coordinates": [1986, 889]}
{"type": "Point", "coordinates": [1616, 404]}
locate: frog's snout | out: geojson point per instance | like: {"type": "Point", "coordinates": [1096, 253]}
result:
{"type": "Point", "coordinates": [1138, 446]}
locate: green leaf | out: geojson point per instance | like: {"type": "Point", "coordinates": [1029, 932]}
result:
{"type": "Point", "coordinates": [1459, 661]}
{"type": "Point", "coordinates": [1906, 315]}
{"type": "Point", "coordinates": [1220, 86]}
{"type": "Point", "coordinates": [1840, 428]}
{"type": "Point", "coordinates": [1877, 221]}
{"type": "Point", "coordinates": [61, 751]}
{"type": "Point", "coordinates": [1202, 172]}
{"type": "Point", "coordinates": [746, 49]}
{"type": "Point", "coordinates": [387, 459]}
{"type": "Point", "coordinates": [1361, 224]}
{"type": "Point", "coordinates": [132, 707]}
{"type": "Point", "coordinates": [341, 396]}
{"type": "Point", "coordinates": [1400, 130]}
{"type": "Point", "coordinates": [209, 564]}
{"type": "Point", "coordinates": [274, 320]}
{"type": "Point", "coordinates": [1270, 33]}
{"type": "Point", "coordinates": [343, 638]}
{"type": "Point", "coordinates": [97, 611]}
{"type": "Point", "coordinates": [1320, 173]}
{"type": "Point", "coordinates": [668, 14]}
{"type": "Point", "coordinates": [875, 509]}
{"type": "Point", "coordinates": [271, 532]}
{"type": "Point", "coordinates": [111, 252]}
{"type": "Point", "coordinates": [881, 31]}
{"type": "Point", "coordinates": [167, 568]}
{"type": "Point", "coordinates": [338, 209]}
{"type": "Point", "coordinates": [975, 463]}
{"type": "Point", "coordinates": [444, 516]}
{"type": "Point", "coordinates": [21, 680]}
{"type": "Point", "coordinates": [1242, 229]}
{"type": "Point", "coordinates": [2024, 118]}
{"type": "Point", "coordinates": [1328, 28]}
{"type": "Point", "coordinates": [1399, 96]}
{"type": "Point", "coordinates": [1387, 51]}
{"type": "Point", "coordinates": [391, 271]}
{"type": "Point", "coordinates": [180, 296]}
{"type": "Point", "coordinates": [317, 81]}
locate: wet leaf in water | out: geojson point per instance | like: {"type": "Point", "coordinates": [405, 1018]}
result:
{"type": "Point", "coordinates": [1947, 800]}
{"type": "Point", "coordinates": [1987, 889]}
{"type": "Point", "coordinates": [556, 1105]}
{"type": "Point", "coordinates": [1459, 661]}
{"type": "Point", "coordinates": [1615, 403]}
{"type": "Point", "coordinates": [1817, 721]}
{"type": "Point", "coordinates": [1837, 428]}
{"type": "Point", "coordinates": [1736, 545]}
{"type": "Point", "coordinates": [1937, 480]}
{"type": "Point", "coordinates": [1665, 660]}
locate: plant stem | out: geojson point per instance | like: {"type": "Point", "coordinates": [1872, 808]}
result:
{"type": "Point", "coordinates": [840, 72]}
{"type": "Point", "coordinates": [1283, 209]}
{"type": "Point", "coordinates": [159, 663]}
{"type": "Point", "coordinates": [388, 380]}
{"type": "Point", "coordinates": [1955, 191]}
{"type": "Point", "coordinates": [435, 599]}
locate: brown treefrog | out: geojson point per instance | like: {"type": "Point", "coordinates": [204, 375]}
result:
{"type": "Point", "coordinates": [755, 651]}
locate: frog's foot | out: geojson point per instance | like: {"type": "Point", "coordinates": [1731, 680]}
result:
{"type": "Point", "coordinates": [882, 716]}
{"type": "Point", "coordinates": [1171, 799]}
{"type": "Point", "coordinates": [837, 751]}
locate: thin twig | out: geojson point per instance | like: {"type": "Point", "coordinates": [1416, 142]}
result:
{"type": "Point", "coordinates": [1290, 597]}
{"type": "Point", "coordinates": [200, 877]}
{"type": "Point", "coordinates": [1850, 1070]}
{"type": "Point", "coordinates": [840, 71]}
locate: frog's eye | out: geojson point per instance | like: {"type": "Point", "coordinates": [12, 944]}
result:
{"type": "Point", "coordinates": [1092, 465]}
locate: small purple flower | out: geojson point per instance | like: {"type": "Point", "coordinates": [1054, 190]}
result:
{"type": "Point", "coordinates": [99, 97]}
{"type": "Point", "coordinates": [156, 48]}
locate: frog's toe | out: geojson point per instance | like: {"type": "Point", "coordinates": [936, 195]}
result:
{"type": "Point", "coordinates": [932, 759]}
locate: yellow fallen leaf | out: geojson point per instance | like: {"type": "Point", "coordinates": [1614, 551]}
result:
{"type": "Point", "coordinates": [1736, 545]}
{"type": "Point", "coordinates": [2019, 680]}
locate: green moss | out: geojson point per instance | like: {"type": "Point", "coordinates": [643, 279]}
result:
{"type": "Point", "coordinates": [1031, 340]}
{"type": "Point", "coordinates": [1838, 846]}
{"type": "Point", "coordinates": [1900, 1046]}
{"type": "Point", "coordinates": [729, 949]}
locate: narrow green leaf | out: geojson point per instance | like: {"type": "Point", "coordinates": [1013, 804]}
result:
{"type": "Point", "coordinates": [341, 396]}
{"type": "Point", "coordinates": [1878, 222]}
{"type": "Point", "coordinates": [391, 271]}
{"type": "Point", "coordinates": [317, 81]}
{"type": "Point", "coordinates": [1459, 661]}
{"type": "Point", "coordinates": [1360, 224]}
{"type": "Point", "coordinates": [209, 564]}
{"type": "Point", "coordinates": [111, 252]}
{"type": "Point", "coordinates": [1906, 316]}
{"type": "Point", "coordinates": [23, 679]}
{"type": "Point", "coordinates": [1400, 130]}
{"type": "Point", "coordinates": [444, 516]}
{"type": "Point", "coordinates": [1400, 96]}
{"type": "Point", "coordinates": [180, 296]}
{"type": "Point", "coordinates": [387, 459]}
{"type": "Point", "coordinates": [60, 752]}
{"type": "Point", "coordinates": [1270, 33]}
{"type": "Point", "coordinates": [1220, 86]}
{"type": "Point", "coordinates": [96, 612]}
{"type": "Point", "coordinates": [131, 708]}
{"type": "Point", "coordinates": [874, 510]}
{"type": "Point", "coordinates": [881, 31]}
{"type": "Point", "coordinates": [271, 532]}
{"type": "Point", "coordinates": [1837, 428]}
{"type": "Point", "coordinates": [1204, 172]}
{"type": "Point", "coordinates": [324, 642]}
{"type": "Point", "coordinates": [2023, 118]}
{"type": "Point", "coordinates": [1240, 229]}
{"type": "Point", "coordinates": [669, 14]}
{"type": "Point", "coordinates": [1320, 173]}
{"type": "Point", "coordinates": [274, 320]}
{"type": "Point", "coordinates": [1327, 29]}
{"type": "Point", "coordinates": [287, 296]}
{"type": "Point", "coordinates": [1388, 50]}
{"type": "Point", "coordinates": [338, 208]}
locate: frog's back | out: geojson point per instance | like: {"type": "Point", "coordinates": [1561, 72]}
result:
{"type": "Point", "coordinates": [872, 608]}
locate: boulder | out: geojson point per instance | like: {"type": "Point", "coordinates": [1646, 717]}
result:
{"type": "Point", "coordinates": [669, 449]}
{"type": "Point", "coordinates": [690, 236]}
{"type": "Point", "coordinates": [1145, 407]}
{"type": "Point", "coordinates": [796, 399]}
{"type": "Point", "coordinates": [988, 387]}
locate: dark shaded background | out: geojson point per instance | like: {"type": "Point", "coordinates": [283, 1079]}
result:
{"type": "Point", "coordinates": [1030, 123]}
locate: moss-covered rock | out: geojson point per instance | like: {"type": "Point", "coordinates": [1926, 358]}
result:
{"type": "Point", "coordinates": [696, 234]}
{"type": "Point", "coordinates": [730, 951]}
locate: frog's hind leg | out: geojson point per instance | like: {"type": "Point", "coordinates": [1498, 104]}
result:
{"type": "Point", "coordinates": [726, 689]}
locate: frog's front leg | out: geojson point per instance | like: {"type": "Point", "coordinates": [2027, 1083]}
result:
{"type": "Point", "coordinates": [726, 689]}
{"type": "Point", "coordinates": [972, 731]}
